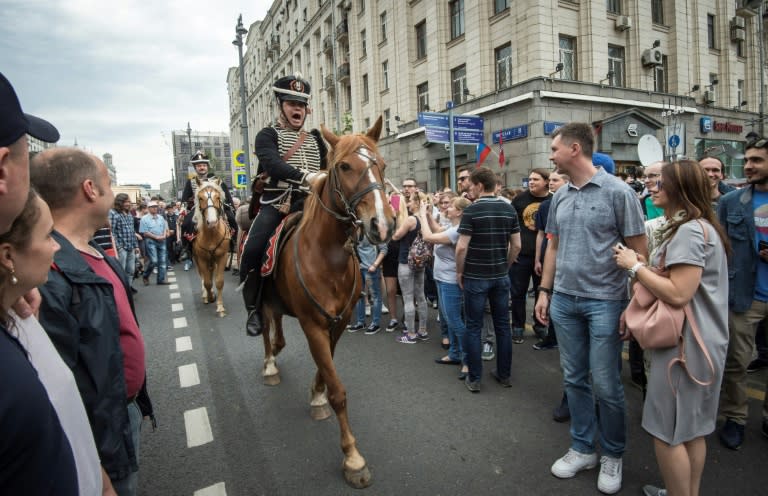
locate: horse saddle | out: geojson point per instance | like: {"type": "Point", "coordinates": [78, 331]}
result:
{"type": "Point", "coordinates": [277, 241]}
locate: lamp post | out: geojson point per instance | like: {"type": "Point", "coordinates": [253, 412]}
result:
{"type": "Point", "coordinates": [190, 168]}
{"type": "Point", "coordinates": [238, 42]}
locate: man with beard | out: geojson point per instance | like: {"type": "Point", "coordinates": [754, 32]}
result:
{"type": "Point", "coordinates": [291, 158]}
{"type": "Point", "coordinates": [526, 205]}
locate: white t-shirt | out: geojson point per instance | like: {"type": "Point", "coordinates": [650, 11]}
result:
{"type": "Point", "coordinates": [62, 390]}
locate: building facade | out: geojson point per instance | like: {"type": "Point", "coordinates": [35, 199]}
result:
{"type": "Point", "coordinates": [217, 145]}
{"type": "Point", "coordinates": [686, 72]}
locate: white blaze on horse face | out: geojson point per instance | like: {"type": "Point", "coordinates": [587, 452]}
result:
{"type": "Point", "coordinates": [210, 212]}
{"type": "Point", "coordinates": [380, 217]}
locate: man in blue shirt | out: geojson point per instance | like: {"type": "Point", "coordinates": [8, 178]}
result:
{"type": "Point", "coordinates": [744, 215]}
{"type": "Point", "coordinates": [154, 228]}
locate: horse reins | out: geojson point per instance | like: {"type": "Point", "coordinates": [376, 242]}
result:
{"type": "Point", "coordinates": [222, 218]}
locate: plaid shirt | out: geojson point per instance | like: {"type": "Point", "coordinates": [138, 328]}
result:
{"type": "Point", "coordinates": [122, 230]}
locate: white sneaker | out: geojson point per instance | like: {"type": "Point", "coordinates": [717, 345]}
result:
{"type": "Point", "coordinates": [609, 480]}
{"type": "Point", "coordinates": [367, 310]}
{"type": "Point", "coordinates": [572, 463]}
{"type": "Point", "coordinates": [384, 309]}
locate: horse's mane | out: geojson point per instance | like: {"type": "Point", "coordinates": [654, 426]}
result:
{"type": "Point", "coordinates": [197, 218]}
{"type": "Point", "coordinates": [346, 145]}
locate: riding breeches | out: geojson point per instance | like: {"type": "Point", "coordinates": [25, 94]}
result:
{"type": "Point", "coordinates": [262, 228]}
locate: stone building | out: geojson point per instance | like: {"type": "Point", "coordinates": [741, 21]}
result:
{"type": "Point", "coordinates": [686, 72]}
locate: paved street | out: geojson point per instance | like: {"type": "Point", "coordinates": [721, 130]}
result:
{"type": "Point", "coordinates": [221, 431]}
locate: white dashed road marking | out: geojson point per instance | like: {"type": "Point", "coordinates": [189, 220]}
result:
{"type": "Point", "coordinates": [177, 307]}
{"type": "Point", "coordinates": [214, 490]}
{"type": "Point", "coordinates": [173, 286]}
{"type": "Point", "coordinates": [179, 322]}
{"type": "Point", "coordinates": [198, 427]}
{"type": "Point", "coordinates": [188, 375]}
{"type": "Point", "coordinates": [175, 296]}
{"type": "Point", "coordinates": [171, 279]}
{"type": "Point", "coordinates": [184, 343]}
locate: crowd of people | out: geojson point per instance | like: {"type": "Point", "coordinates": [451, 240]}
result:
{"type": "Point", "coordinates": [564, 249]}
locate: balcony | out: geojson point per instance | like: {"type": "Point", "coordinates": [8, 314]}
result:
{"type": "Point", "coordinates": [342, 31]}
{"type": "Point", "coordinates": [343, 72]}
{"type": "Point", "coordinates": [328, 84]}
{"type": "Point", "coordinates": [273, 45]}
{"type": "Point", "coordinates": [328, 45]}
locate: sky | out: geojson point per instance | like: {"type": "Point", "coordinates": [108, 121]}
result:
{"type": "Point", "coordinates": [119, 77]}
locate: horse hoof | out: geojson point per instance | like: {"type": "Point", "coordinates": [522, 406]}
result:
{"type": "Point", "coordinates": [320, 412]}
{"type": "Point", "coordinates": [359, 479]}
{"type": "Point", "coordinates": [222, 313]}
{"type": "Point", "coordinates": [272, 380]}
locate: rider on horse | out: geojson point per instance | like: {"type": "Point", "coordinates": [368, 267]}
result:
{"type": "Point", "coordinates": [291, 158]}
{"type": "Point", "coordinates": [201, 162]}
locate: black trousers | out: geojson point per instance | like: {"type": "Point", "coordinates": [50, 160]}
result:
{"type": "Point", "coordinates": [520, 275]}
{"type": "Point", "coordinates": [262, 228]}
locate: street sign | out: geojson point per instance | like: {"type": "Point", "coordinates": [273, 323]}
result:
{"type": "Point", "coordinates": [240, 180]}
{"type": "Point", "coordinates": [467, 129]}
{"type": "Point", "coordinates": [511, 133]}
{"type": "Point", "coordinates": [674, 141]}
{"type": "Point", "coordinates": [449, 104]}
{"type": "Point", "coordinates": [460, 136]}
{"type": "Point", "coordinates": [238, 157]}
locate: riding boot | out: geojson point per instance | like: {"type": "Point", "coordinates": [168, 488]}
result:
{"type": "Point", "coordinates": [252, 298]}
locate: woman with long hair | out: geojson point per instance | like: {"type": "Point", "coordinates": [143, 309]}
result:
{"type": "Point", "coordinates": [411, 280]}
{"type": "Point", "coordinates": [678, 412]}
{"type": "Point", "coordinates": [449, 294]}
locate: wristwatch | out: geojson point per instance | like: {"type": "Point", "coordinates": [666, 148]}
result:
{"type": "Point", "coordinates": [542, 289]}
{"type": "Point", "coordinates": [633, 270]}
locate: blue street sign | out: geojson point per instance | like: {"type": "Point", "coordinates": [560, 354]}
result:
{"type": "Point", "coordinates": [468, 122]}
{"type": "Point", "coordinates": [674, 141]}
{"type": "Point", "coordinates": [460, 136]}
{"type": "Point", "coordinates": [449, 104]}
{"type": "Point", "coordinates": [433, 119]}
{"type": "Point", "coordinates": [510, 134]}
{"type": "Point", "coordinates": [467, 129]}
{"type": "Point", "coordinates": [241, 180]}
{"type": "Point", "coordinates": [706, 124]}
{"type": "Point", "coordinates": [550, 126]}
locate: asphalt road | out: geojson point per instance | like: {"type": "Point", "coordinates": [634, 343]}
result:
{"type": "Point", "coordinates": [419, 428]}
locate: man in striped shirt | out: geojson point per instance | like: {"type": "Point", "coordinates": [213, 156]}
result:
{"type": "Point", "coordinates": [488, 245]}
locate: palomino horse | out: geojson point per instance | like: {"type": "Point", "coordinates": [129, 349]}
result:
{"type": "Point", "coordinates": [318, 278]}
{"type": "Point", "coordinates": [211, 246]}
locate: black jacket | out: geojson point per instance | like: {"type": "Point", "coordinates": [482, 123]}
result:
{"type": "Point", "coordinates": [79, 314]}
{"type": "Point", "coordinates": [188, 197]}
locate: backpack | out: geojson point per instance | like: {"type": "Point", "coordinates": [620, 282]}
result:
{"type": "Point", "coordinates": [420, 253]}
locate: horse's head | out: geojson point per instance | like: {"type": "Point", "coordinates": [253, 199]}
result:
{"type": "Point", "coordinates": [356, 181]}
{"type": "Point", "coordinates": [210, 201]}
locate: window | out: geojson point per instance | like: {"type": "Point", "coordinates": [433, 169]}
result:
{"type": "Point", "coordinates": [660, 83]}
{"type": "Point", "coordinates": [500, 6]}
{"type": "Point", "coordinates": [568, 57]}
{"type": "Point", "coordinates": [365, 88]}
{"type": "Point", "coordinates": [613, 6]}
{"type": "Point", "coordinates": [457, 18]}
{"type": "Point", "coordinates": [657, 11]}
{"type": "Point", "coordinates": [360, 6]}
{"type": "Point", "coordinates": [386, 121]}
{"type": "Point", "coordinates": [616, 65]}
{"type": "Point", "coordinates": [503, 57]}
{"type": "Point", "coordinates": [385, 74]}
{"type": "Point", "coordinates": [363, 43]}
{"type": "Point", "coordinates": [422, 97]}
{"type": "Point", "coordinates": [383, 23]}
{"type": "Point", "coordinates": [711, 31]}
{"type": "Point", "coordinates": [739, 92]}
{"type": "Point", "coordinates": [367, 123]}
{"type": "Point", "coordinates": [458, 84]}
{"type": "Point", "coordinates": [421, 40]}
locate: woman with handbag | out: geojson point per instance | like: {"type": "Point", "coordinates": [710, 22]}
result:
{"type": "Point", "coordinates": [688, 271]}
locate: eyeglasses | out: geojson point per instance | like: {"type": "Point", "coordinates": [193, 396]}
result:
{"type": "Point", "coordinates": [648, 177]}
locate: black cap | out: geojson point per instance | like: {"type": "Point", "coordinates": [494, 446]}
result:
{"type": "Point", "coordinates": [14, 123]}
{"type": "Point", "coordinates": [292, 88]}
{"type": "Point", "coordinates": [200, 157]}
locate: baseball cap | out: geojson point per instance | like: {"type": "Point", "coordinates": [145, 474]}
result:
{"type": "Point", "coordinates": [14, 123]}
{"type": "Point", "coordinates": [604, 161]}
{"type": "Point", "coordinates": [152, 203]}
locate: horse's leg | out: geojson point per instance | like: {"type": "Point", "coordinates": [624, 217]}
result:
{"type": "Point", "coordinates": [270, 374]}
{"type": "Point", "coordinates": [356, 471]}
{"type": "Point", "coordinates": [318, 403]}
{"type": "Point", "coordinates": [220, 287]}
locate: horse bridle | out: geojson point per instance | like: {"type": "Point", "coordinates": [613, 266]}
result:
{"type": "Point", "coordinates": [222, 218]}
{"type": "Point", "coordinates": [349, 206]}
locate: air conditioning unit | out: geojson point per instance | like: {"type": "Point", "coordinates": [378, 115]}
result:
{"type": "Point", "coordinates": [709, 97]}
{"type": "Point", "coordinates": [652, 57]}
{"type": "Point", "coordinates": [738, 22]}
{"type": "Point", "coordinates": [738, 34]}
{"type": "Point", "coordinates": [623, 23]}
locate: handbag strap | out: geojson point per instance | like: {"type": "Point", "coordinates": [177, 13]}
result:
{"type": "Point", "coordinates": [699, 341]}
{"type": "Point", "coordinates": [292, 150]}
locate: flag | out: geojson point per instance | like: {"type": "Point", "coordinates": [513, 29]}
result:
{"type": "Point", "coordinates": [501, 149]}
{"type": "Point", "coordinates": [482, 153]}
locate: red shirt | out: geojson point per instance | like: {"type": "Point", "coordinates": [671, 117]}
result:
{"type": "Point", "coordinates": [131, 339]}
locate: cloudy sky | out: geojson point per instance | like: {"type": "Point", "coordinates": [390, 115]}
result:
{"type": "Point", "coordinates": [118, 77]}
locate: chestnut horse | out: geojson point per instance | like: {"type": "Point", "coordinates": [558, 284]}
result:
{"type": "Point", "coordinates": [211, 246]}
{"type": "Point", "coordinates": [318, 279]}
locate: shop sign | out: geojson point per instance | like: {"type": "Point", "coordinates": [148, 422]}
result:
{"type": "Point", "coordinates": [727, 127]}
{"type": "Point", "coordinates": [705, 123]}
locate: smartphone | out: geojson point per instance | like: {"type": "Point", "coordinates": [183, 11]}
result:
{"type": "Point", "coordinates": [762, 245]}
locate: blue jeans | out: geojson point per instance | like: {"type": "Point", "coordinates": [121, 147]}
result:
{"type": "Point", "coordinates": [157, 258]}
{"type": "Point", "coordinates": [375, 280]}
{"type": "Point", "coordinates": [127, 260]}
{"type": "Point", "coordinates": [476, 292]}
{"type": "Point", "coordinates": [587, 331]}
{"type": "Point", "coordinates": [449, 299]}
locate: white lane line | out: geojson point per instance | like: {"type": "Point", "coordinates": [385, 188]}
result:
{"type": "Point", "coordinates": [171, 279]}
{"type": "Point", "coordinates": [175, 296]}
{"type": "Point", "coordinates": [177, 307]}
{"type": "Point", "coordinates": [188, 375]}
{"type": "Point", "coordinates": [179, 322]}
{"type": "Point", "coordinates": [214, 490]}
{"type": "Point", "coordinates": [184, 343]}
{"type": "Point", "coordinates": [173, 286]}
{"type": "Point", "coordinates": [198, 427]}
